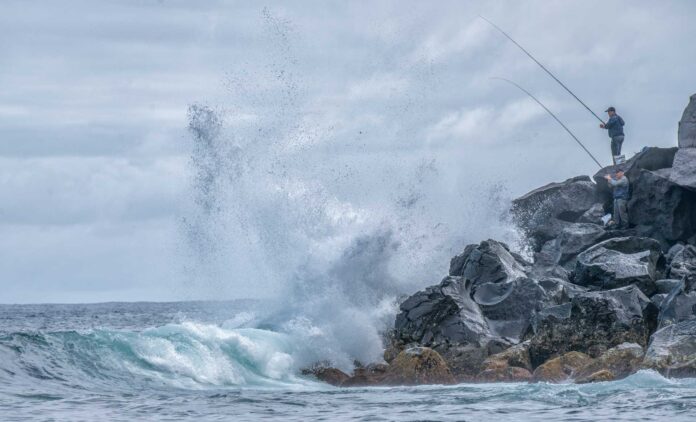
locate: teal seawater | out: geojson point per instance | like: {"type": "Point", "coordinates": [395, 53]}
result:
{"type": "Point", "coordinates": [190, 361]}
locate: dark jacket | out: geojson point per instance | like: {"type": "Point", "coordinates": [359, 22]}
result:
{"type": "Point", "coordinates": [620, 187]}
{"type": "Point", "coordinates": [615, 126]}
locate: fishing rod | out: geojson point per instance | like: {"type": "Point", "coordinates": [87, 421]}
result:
{"type": "Point", "coordinates": [552, 115]}
{"type": "Point", "coordinates": [543, 67]}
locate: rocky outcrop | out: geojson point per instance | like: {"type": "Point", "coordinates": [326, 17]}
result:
{"type": "Point", "coordinates": [616, 363]}
{"type": "Point", "coordinates": [592, 323]}
{"type": "Point", "coordinates": [511, 365]}
{"type": "Point", "coordinates": [621, 262]}
{"type": "Point", "coordinates": [687, 125]}
{"type": "Point", "coordinates": [544, 212]}
{"type": "Point", "coordinates": [672, 350]}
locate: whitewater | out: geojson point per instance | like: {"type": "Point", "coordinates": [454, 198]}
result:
{"type": "Point", "coordinates": [187, 361]}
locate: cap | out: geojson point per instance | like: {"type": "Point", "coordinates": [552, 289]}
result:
{"type": "Point", "coordinates": [610, 109]}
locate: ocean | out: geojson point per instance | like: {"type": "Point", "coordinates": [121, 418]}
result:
{"type": "Point", "coordinates": [203, 361]}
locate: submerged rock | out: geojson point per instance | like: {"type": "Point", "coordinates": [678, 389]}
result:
{"type": "Point", "coordinates": [418, 365]}
{"type": "Point", "coordinates": [620, 262]}
{"type": "Point", "coordinates": [592, 323]}
{"type": "Point", "coordinates": [561, 368]}
{"type": "Point", "coordinates": [544, 212]}
{"type": "Point", "coordinates": [672, 350]}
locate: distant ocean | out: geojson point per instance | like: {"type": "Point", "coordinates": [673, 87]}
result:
{"type": "Point", "coordinates": [196, 361]}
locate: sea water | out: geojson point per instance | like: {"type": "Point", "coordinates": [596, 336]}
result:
{"type": "Point", "coordinates": [203, 361]}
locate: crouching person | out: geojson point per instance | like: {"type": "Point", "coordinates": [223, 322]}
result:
{"type": "Point", "coordinates": [620, 186]}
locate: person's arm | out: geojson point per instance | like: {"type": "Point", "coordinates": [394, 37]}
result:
{"type": "Point", "coordinates": [611, 122]}
{"type": "Point", "coordinates": [620, 182]}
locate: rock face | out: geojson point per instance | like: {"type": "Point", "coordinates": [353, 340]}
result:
{"type": "Point", "coordinates": [682, 172]}
{"type": "Point", "coordinates": [683, 263]}
{"type": "Point", "coordinates": [687, 125]}
{"type": "Point", "coordinates": [616, 363]}
{"type": "Point", "coordinates": [621, 262]}
{"type": "Point", "coordinates": [544, 212]}
{"type": "Point", "coordinates": [488, 262]}
{"type": "Point", "coordinates": [680, 304]}
{"type": "Point", "coordinates": [418, 365]}
{"type": "Point", "coordinates": [442, 315]}
{"type": "Point", "coordinates": [561, 368]}
{"type": "Point", "coordinates": [592, 323]}
{"type": "Point", "coordinates": [672, 350]}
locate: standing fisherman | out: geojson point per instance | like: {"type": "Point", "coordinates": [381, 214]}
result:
{"type": "Point", "coordinates": [615, 126]}
{"type": "Point", "coordinates": [620, 185]}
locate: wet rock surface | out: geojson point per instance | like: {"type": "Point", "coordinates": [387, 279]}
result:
{"type": "Point", "coordinates": [672, 350]}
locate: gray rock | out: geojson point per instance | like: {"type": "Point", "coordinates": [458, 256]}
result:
{"type": "Point", "coordinates": [683, 171]}
{"type": "Point", "coordinates": [622, 361]}
{"type": "Point", "coordinates": [593, 215]}
{"type": "Point", "coordinates": [687, 126]}
{"type": "Point", "coordinates": [592, 323]}
{"type": "Point", "coordinates": [672, 350]}
{"type": "Point", "coordinates": [544, 212]}
{"type": "Point", "coordinates": [620, 262]}
{"type": "Point", "coordinates": [441, 315]}
{"type": "Point", "coordinates": [673, 251]}
{"type": "Point", "coordinates": [666, 285]}
{"type": "Point", "coordinates": [508, 307]}
{"type": "Point", "coordinates": [683, 262]}
{"type": "Point", "coordinates": [661, 209]}
{"type": "Point", "coordinates": [658, 298]}
{"type": "Point", "coordinates": [488, 262]}
{"type": "Point", "coordinates": [576, 238]}
{"type": "Point", "coordinates": [680, 303]}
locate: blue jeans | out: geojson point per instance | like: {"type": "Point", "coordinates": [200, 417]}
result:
{"type": "Point", "coordinates": [616, 142]}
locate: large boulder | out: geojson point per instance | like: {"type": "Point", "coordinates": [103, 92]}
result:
{"type": "Point", "coordinates": [327, 374]}
{"type": "Point", "coordinates": [680, 303]}
{"type": "Point", "coordinates": [441, 315]}
{"type": "Point", "coordinates": [672, 350]}
{"type": "Point", "coordinates": [687, 125]}
{"type": "Point", "coordinates": [574, 239]}
{"type": "Point", "coordinates": [592, 323]}
{"type": "Point", "coordinates": [561, 368]}
{"type": "Point", "coordinates": [683, 172]}
{"type": "Point", "coordinates": [617, 362]}
{"type": "Point", "coordinates": [508, 307]}
{"type": "Point", "coordinates": [683, 263]}
{"type": "Point", "coordinates": [660, 208]}
{"type": "Point", "coordinates": [621, 262]}
{"type": "Point", "coordinates": [416, 366]}
{"type": "Point", "coordinates": [544, 212]}
{"type": "Point", "coordinates": [488, 262]}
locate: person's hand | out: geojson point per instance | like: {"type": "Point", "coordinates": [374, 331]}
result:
{"type": "Point", "coordinates": [608, 177]}
{"type": "Point", "coordinates": [601, 125]}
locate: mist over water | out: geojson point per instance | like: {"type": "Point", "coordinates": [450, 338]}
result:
{"type": "Point", "coordinates": [287, 203]}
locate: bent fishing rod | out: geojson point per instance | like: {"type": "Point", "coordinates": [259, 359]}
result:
{"type": "Point", "coordinates": [552, 115]}
{"type": "Point", "coordinates": [543, 67]}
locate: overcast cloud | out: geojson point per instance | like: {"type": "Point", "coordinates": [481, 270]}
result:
{"type": "Point", "coordinates": [95, 171]}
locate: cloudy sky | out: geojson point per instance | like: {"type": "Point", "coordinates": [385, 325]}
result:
{"type": "Point", "coordinates": [350, 101]}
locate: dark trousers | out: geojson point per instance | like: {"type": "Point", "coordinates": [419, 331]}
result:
{"type": "Point", "coordinates": [616, 142]}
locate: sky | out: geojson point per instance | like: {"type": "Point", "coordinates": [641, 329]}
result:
{"type": "Point", "coordinates": [351, 104]}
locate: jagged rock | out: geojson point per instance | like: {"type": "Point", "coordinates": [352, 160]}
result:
{"type": "Point", "coordinates": [666, 285]}
{"type": "Point", "coordinates": [504, 374]}
{"type": "Point", "coordinates": [508, 307]}
{"type": "Point", "coordinates": [673, 251]}
{"type": "Point", "coordinates": [561, 368]}
{"type": "Point", "coordinates": [441, 315]}
{"type": "Point", "coordinates": [544, 212]}
{"type": "Point", "coordinates": [680, 304]}
{"type": "Point", "coordinates": [593, 215]}
{"type": "Point", "coordinates": [620, 262]}
{"type": "Point", "coordinates": [683, 262]}
{"type": "Point", "coordinates": [620, 361]}
{"type": "Point", "coordinates": [488, 262]}
{"type": "Point", "coordinates": [467, 360]}
{"type": "Point", "coordinates": [672, 350]}
{"type": "Point", "coordinates": [687, 125]}
{"type": "Point", "coordinates": [559, 290]}
{"type": "Point", "coordinates": [661, 209]}
{"type": "Point", "coordinates": [683, 172]}
{"type": "Point", "coordinates": [327, 374]}
{"type": "Point", "coordinates": [418, 365]}
{"type": "Point", "coordinates": [574, 239]}
{"type": "Point", "coordinates": [658, 299]}
{"type": "Point", "coordinates": [592, 323]}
